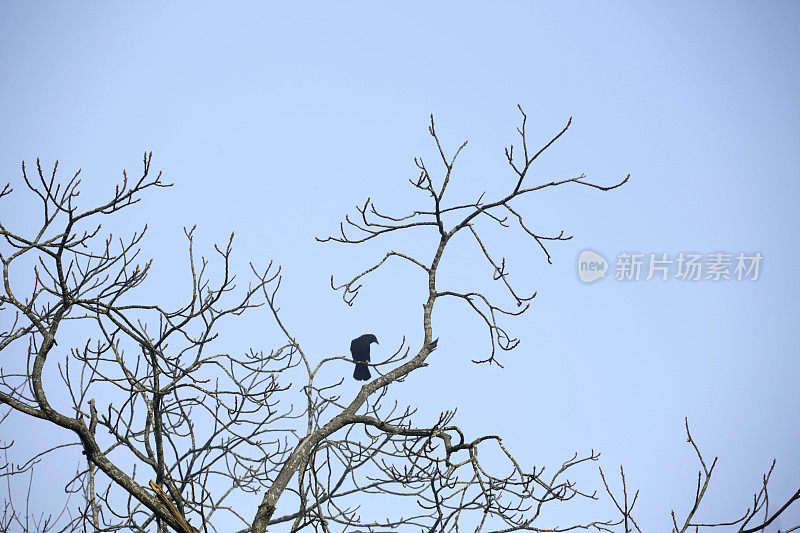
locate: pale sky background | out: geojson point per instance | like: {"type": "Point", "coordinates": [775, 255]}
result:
{"type": "Point", "coordinates": [275, 120]}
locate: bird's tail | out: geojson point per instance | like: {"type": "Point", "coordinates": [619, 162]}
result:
{"type": "Point", "coordinates": [361, 372]}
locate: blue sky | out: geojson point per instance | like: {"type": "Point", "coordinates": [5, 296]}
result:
{"type": "Point", "coordinates": [273, 120]}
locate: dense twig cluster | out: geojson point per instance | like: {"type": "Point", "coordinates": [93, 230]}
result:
{"type": "Point", "coordinates": [145, 375]}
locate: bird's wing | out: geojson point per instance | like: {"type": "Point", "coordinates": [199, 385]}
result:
{"type": "Point", "coordinates": [359, 350]}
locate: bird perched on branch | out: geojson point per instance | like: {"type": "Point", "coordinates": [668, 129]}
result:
{"type": "Point", "coordinates": [359, 348]}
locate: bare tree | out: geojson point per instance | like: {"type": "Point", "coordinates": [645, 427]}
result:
{"type": "Point", "coordinates": [172, 431]}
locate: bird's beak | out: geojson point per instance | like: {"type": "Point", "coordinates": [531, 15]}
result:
{"type": "Point", "coordinates": [376, 341]}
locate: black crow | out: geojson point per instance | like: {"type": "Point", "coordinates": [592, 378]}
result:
{"type": "Point", "coordinates": [359, 348]}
